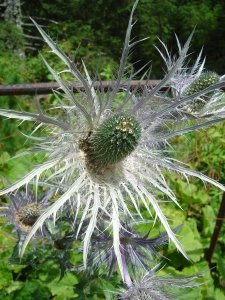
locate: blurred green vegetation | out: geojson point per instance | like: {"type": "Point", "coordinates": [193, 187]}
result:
{"type": "Point", "coordinates": [98, 28]}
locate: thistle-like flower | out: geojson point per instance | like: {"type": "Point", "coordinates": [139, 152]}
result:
{"type": "Point", "coordinates": [22, 212]}
{"type": "Point", "coordinates": [151, 286]}
{"type": "Point", "coordinates": [103, 153]}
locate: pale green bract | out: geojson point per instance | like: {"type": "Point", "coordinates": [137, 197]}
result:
{"type": "Point", "coordinates": [97, 187]}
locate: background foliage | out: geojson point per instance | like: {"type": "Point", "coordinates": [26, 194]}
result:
{"type": "Point", "coordinates": [98, 27]}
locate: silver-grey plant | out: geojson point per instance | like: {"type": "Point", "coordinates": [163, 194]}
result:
{"type": "Point", "coordinates": [106, 155]}
{"type": "Point", "coordinates": [138, 252]}
{"type": "Point", "coordinates": [153, 287]}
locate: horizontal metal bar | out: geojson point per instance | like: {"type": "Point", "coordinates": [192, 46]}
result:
{"type": "Point", "coordinates": [49, 87]}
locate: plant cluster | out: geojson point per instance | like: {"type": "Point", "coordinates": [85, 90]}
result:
{"type": "Point", "coordinates": [104, 162]}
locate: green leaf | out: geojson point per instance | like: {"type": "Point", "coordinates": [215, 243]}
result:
{"type": "Point", "coordinates": [65, 289]}
{"type": "Point", "coordinates": [107, 287]}
{"type": "Point", "coordinates": [6, 251]}
{"type": "Point", "coordinates": [189, 237]}
{"type": "Point", "coordinates": [29, 290]}
{"type": "Point", "coordinates": [208, 220]}
{"type": "Point", "coordinates": [14, 286]}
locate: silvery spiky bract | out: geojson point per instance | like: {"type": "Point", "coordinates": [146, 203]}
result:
{"type": "Point", "coordinates": [84, 170]}
{"type": "Point", "coordinates": [153, 287]}
{"type": "Point", "coordinates": [137, 251]}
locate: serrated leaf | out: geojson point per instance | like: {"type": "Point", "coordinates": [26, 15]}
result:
{"type": "Point", "coordinates": [14, 285]}
{"type": "Point", "coordinates": [30, 290]}
{"type": "Point", "coordinates": [65, 288]}
{"type": "Point", "coordinates": [208, 221]}
{"type": "Point", "coordinates": [190, 239]}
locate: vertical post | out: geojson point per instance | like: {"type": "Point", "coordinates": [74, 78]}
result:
{"type": "Point", "coordinates": [219, 222]}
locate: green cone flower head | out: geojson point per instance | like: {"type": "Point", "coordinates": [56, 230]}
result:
{"type": "Point", "coordinates": [115, 139]}
{"type": "Point", "coordinates": [204, 81]}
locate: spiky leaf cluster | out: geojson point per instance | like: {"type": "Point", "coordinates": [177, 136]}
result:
{"type": "Point", "coordinates": [138, 251]}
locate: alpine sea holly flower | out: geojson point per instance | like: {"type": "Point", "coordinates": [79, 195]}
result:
{"type": "Point", "coordinates": [155, 287]}
{"type": "Point", "coordinates": [23, 210]}
{"type": "Point", "coordinates": [103, 153]}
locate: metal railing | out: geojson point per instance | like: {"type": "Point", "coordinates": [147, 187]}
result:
{"type": "Point", "coordinates": [44, 88]}
{"type": "Point", "coordinates": [48, 87]}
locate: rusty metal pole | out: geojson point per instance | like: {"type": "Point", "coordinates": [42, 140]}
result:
{"type": "Point", "coordinates": [48, 88]}
{"type": "Point", "coordinates": [219, 222]}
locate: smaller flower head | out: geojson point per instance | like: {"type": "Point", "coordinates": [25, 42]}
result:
{"type": "Point", "coordinates": [24, 210]}
{"type": "Point", "coordinates": [205, 80]}
{"type": "Point", "coordinates": [151, 287]}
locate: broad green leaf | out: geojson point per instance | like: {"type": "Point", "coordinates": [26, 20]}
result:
{"type": "Point", "coordinates": [31, 290]}
{"type": "Point", "coordinates": [190, 239]}
{"type": "Point", "coordinates": [208, 220]}
{"type": "Point", "coordinates": [65, 288]}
